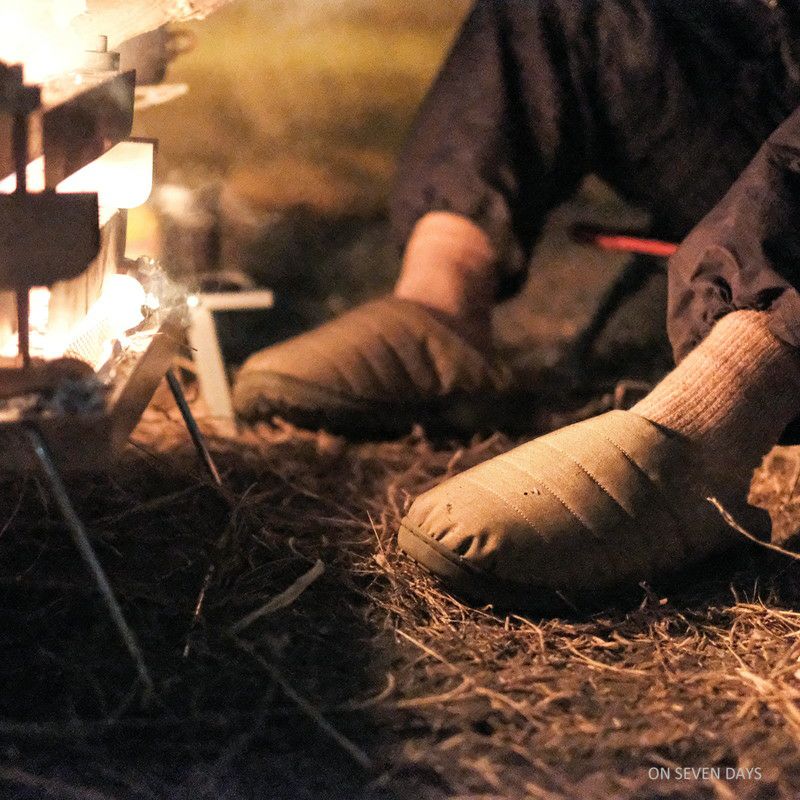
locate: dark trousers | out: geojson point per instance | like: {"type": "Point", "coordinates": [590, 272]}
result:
{"type": "Point", "coordinates": [667, 100]}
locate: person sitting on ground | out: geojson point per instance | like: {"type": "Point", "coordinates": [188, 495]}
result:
{"type": "Point", "coordinates": [668, 101]}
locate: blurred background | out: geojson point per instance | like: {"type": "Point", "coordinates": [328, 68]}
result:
{"type": "Point", "coordinates": [278, 160]}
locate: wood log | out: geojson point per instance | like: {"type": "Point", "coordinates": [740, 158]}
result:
{"type": "Point", "coordinates": [122, 20]}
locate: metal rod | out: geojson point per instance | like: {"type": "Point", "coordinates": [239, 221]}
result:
{"type": "Point", "coordinates": [84, 546]}
{"type": "Point", "coordinates": [622, 241]}
{"type": "Point", "coordinates": [194, 429]}
{"type": "Point", "coordinates": [19, 135]}
{"type": "Point", "coordinates": [205, 456]}
{"type": "Point", "coordinates": [23, 325]}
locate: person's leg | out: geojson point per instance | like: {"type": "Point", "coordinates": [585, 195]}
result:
{"type": "Point", "coordinates": [623, 497]}
{"type": "Point", "coordinates": [450, 265]}
{"type": "Point", "coordinates": [534, 94]}
{"type": "Point", "coordinates": [499, 142]}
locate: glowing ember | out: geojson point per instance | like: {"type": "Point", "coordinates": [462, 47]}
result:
{"type": "Point", "coordinates": [118, 309]}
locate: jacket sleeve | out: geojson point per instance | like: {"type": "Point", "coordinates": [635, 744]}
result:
{"type": "Point", "coordinates": [745, 254]}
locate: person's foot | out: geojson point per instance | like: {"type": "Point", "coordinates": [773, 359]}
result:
{"type": "Point", "coordinates": [376, 369]}
{"type": "Point", "coordinates": [423, 355]}
{"type": "Point", "coordinates": [621, 498]}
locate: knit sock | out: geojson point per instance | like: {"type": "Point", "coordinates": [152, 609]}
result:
{"type": "Point", "coordinates": [731, 398]}
{"type": "Point", "coordinates": [450, 266]}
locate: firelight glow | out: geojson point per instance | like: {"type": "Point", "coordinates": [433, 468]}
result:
{"type": "Point", "coordinates": [122, 177]}
{"type": "Point", "coordinates": [38, 35]}
{"type": "Point", "coordinates": [117, 310]}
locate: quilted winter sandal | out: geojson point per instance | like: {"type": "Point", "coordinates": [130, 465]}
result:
{"type": "Point", "coordinates": [378, 366]}
{"type": "Point", "coordinates": [594, 507]}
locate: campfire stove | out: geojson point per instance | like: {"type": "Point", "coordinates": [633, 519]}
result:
{"type": "Point", "coordinates": [85, 336]}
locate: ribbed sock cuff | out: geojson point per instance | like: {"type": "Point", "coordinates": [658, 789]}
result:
{"type": "Point", "coordinates": [450, 266]}
{"type": "Point", "coordinates": [452, 238]}
{"type": "Point", "coordinates": [734, 394]}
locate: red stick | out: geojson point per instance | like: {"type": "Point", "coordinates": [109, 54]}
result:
{"type": "Point", "coordinates": [623, 242]}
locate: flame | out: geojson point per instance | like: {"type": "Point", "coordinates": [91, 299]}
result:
{"type": "Point", "coordinates": [118, 309]}
{"type": "Point", "coordinates": [37, 34]}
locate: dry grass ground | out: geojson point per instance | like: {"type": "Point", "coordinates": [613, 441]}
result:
{"type": "Point", "coordinates": [372, 682]}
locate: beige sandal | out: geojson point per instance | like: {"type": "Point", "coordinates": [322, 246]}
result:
{"type": "Point", "coordinates": [594, 507]}
{"type": "Point", "coordinates": [383, 365]}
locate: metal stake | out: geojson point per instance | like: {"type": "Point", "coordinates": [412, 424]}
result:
{"type": "Point", "coordinates": [23, 325]}
{"type": "Point", "coordinates": [81, 540]}
{"type": "Point", "coordinates": [198, 440]}
{"type": "Point", "coordinates": [205, 456]}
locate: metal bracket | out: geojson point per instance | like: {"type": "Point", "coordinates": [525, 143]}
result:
{"type": "Point", "coordinates": [204, 340]}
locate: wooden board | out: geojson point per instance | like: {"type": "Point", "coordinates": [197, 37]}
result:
{"type": "Point", "coordinates": [71, 300]}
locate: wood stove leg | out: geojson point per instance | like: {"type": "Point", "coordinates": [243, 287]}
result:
{"type": "Point", "coordinates": [84, 546]}
{"type": "Point", "coordinates": [198, 440]}
{"type": "Point", "coordinates": [205, 456]}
